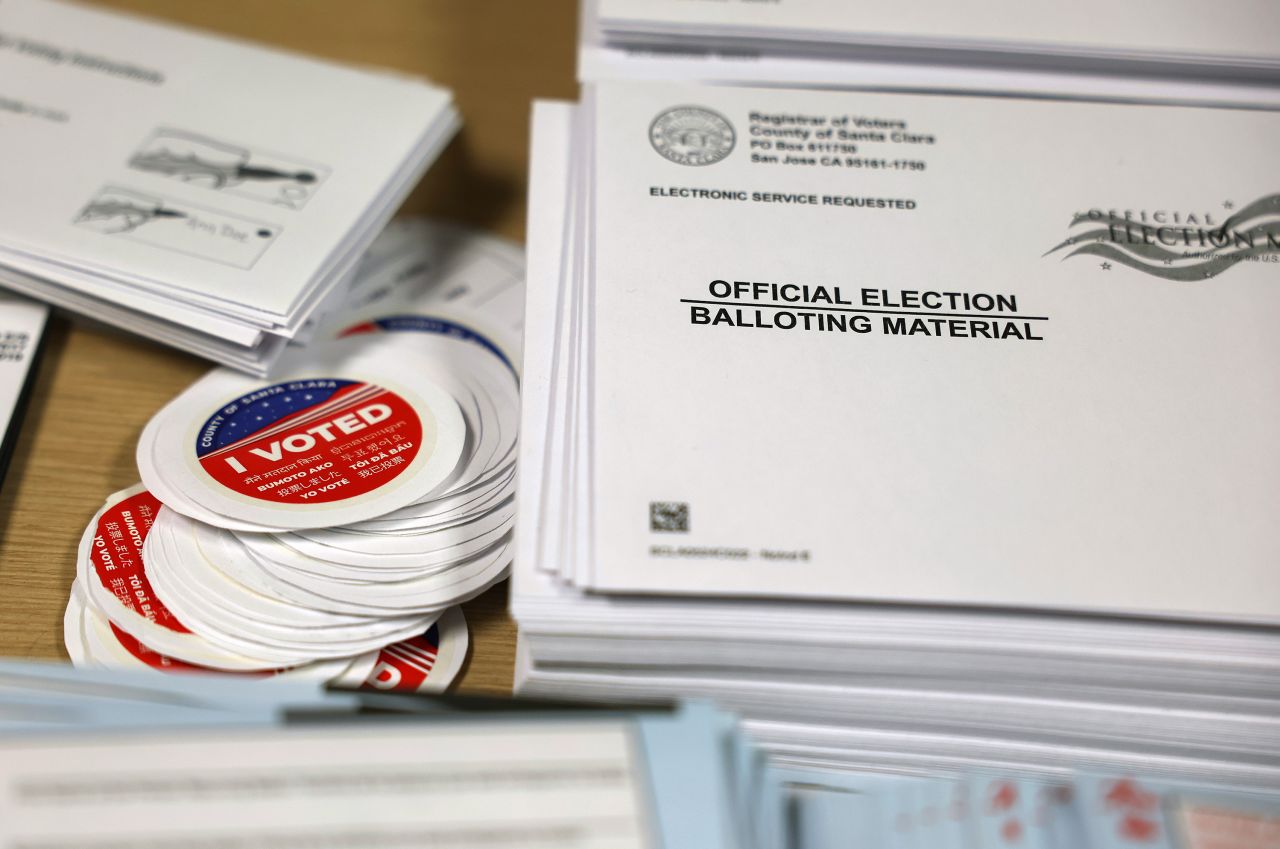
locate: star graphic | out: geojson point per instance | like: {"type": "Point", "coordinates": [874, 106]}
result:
{"type": "Point", "coordinates": [1226, 204]}
{"type": "Point", "coordinates": [1106, 266]}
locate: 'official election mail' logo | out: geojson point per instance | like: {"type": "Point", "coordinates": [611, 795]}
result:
{"type": "Point", "coordinates": [692, 135]}
{"type": "Point", "coordinates": [1178, 244]}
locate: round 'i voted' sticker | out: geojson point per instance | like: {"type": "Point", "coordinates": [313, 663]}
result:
{"type": "Point", "coordinates": [115, 557]}
{"type": "Point", "coordinates": [349, 435]}
{"type": "Point", "coordinates": [112, 571]}
{"type": "Point", "coordinates": [425, 664]}
{"type": "Point", "coordinates": [438, 325]}
{"type": "Point", "coordinates": [317, 440]}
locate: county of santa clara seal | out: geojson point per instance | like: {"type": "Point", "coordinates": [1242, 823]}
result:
{"type": "Point", "coordinates": [691, 135]}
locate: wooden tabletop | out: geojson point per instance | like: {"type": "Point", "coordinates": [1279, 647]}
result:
{"type": "Point", "coordinates": [97, 387]}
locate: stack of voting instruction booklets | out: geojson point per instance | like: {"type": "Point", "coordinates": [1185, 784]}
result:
{"type": "Point", "coordinates": [203, 192]}
{"type": "Point", "coordinates": [90, 761]}
{"type": "Point", "coordinates": [1181, 52]}
{"type": "Point", "coordinates": [918, 429]}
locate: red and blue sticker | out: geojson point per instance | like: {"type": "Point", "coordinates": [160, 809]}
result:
{"type": "Point", "coordinates": [405, 665]}
{"type": "Point", "coordinates": [430, 324]}
{"type": "Point", "coordinates": [318, 440]}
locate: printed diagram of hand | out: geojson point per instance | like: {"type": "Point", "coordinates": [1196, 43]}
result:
{"type": "Point", "coordinates": [118, 215]}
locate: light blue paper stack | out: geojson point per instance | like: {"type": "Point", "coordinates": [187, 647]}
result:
{"type": "Point", "coordinates": [695, 778]}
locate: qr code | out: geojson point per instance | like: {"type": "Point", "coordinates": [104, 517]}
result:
{"type": "Point", "coordinates": [669, 516]}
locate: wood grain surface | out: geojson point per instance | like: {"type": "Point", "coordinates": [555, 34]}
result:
{"type": "Point", "coordinates": [97, 387]}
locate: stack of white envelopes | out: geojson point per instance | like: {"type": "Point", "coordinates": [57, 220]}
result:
{"type": "Point", "coordinates": [956, 449]}
{"type": "Point", "coordinates": [1090, 50]}
{"type": "Point", "coordinates": [337, 510]}
{"type": "Point", "coordinates": [209, 194]}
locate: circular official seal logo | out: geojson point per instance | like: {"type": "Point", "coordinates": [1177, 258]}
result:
{"type": "Point", "coordinates": [691, 135]}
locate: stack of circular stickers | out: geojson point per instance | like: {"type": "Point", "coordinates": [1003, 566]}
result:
{"type": "Point", "coordinates": [323, 522]}
{"type": "Point", "coordinates": [115, 619]}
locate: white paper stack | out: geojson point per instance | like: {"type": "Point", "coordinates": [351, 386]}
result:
{"type": "Point", "coordinates": [1180, 52]}
{"type": "Point", "coordinates": [920, 430]}
{"type": "Point", "coordinates": [206, 193]}
{"type": "Point", "coordinates": [325, 522]}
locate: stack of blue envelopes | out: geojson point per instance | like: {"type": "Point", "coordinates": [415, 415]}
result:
{"type": "Point", "coordinates": [95, 759]}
